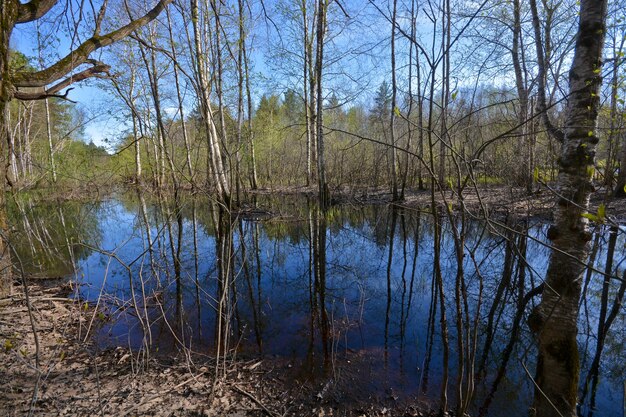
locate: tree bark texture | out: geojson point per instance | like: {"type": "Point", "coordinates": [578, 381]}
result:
{"type": "Point", "coordinates": [554, 321]}
{"type": "Point", "coordinates": [8, 17]}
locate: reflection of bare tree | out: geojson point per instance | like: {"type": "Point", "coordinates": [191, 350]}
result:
{"type": "Point", "coordinates": [173, 290]}
{"type": "Point", "coordinates": [407, 293]}
{"type": "Point", "coordinates": [605, 320]}
{"type": "Point", "coordinates": [225, 296]}
{"type": "Point", "coordinates": [48, 236]}
{"type": "Point", "coordinates": [319, 320]}
{"type": "Point", "coordinates": [392, 232]}
{"type": "Point", "coordinates": [247, 273]}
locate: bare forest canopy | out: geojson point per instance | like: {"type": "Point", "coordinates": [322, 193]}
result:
{"type": "Point", "coordinates": [405, 91]}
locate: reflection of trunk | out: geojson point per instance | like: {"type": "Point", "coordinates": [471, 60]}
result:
{"type": "Point", "coordinates": [405, 307]}
{"type": "Point", "coordinates": [430, 335]}
{"type": "Point", "coordinates": [311, 274]}
{"type": "Point", "coordinates": [508, 350]}
{"type": "Point", "coordinates": [605, 320]}
{"type": "Point", "coordinates": [224, 312]}
{"type": "Point", "coordinates": [317, 286]}
{"type": "Point", "coordinates": [248, 277]}
{"type": "Point", "coordinates": [466, 344]}
{"type": "Point", "coordinates": [554, 321]}
{"type": "Point", "coordinates": [498, 305]}
{"type": "Point", "coordinates": [438, 277]}
{"type": "Point", "coordinates": [595, 248]}
{"type": "Point", "coordinates": [319, 256]}
{"type": "Point", "coordinates": [392, 231]}
{"type": "Point", "coordinates": [175, 244]}
{"type": "Point", "coordinates": [146, 222]}
{"type": "Point", "coordinates": [196, 263]}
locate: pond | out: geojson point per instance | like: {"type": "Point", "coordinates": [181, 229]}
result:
{"type": "Point", "coordinates": [352, 295]}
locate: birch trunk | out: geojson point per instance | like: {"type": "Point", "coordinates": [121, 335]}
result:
{"type": "Point", "coordinates": [554, 321]}
{"type": "Point", "coordinates": [216, 167]}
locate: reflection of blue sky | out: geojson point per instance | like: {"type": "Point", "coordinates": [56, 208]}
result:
{"type": "Point", "coordinates": [356, 290]}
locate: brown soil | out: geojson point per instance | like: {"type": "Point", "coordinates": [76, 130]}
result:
{"type": "Point", "coordinates": [74, 379]}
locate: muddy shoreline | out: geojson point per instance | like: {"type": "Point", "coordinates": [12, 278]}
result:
{"type": "Point", "coordinates": [73, 378]}
{"type": "Point", "coordinates": [496, 202]}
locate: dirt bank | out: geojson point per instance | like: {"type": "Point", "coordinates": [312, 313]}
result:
{"type": "Point", "coordinates": [67, 376]}
{"type": "Point", "coordinates": [492, 201]}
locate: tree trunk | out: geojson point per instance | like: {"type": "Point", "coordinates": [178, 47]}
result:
{"type": "Point", "coordinates": [6, 273]}
{"type": "Point", "coordinates": [321, 163]}
{"type": "Point", "coordinates": [554, 321]}
{"type": "Point", "coordinates": [179, 97]}
{"type": "Point", "coordinates": [522, 95]}
{"type": "Point", "coordinates": [393, 169]}
{"type": "Point", "coordinates": [53, 169]}
{"type": "Point", "coordinates": [305, 94]}
{"type": "Point", "coordinates": [254, 182]}
{"type": "Point", "coordinates": [215, 166]}
{"type": "Point", "coordinates": [620, 187]}
{"type": "Point", "coordinates": [8, 16]}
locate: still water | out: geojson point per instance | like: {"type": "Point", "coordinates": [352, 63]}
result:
{"type": "Point", "coordinates": [351, 296]}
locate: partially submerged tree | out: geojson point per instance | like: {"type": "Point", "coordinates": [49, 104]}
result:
{"type": "Point", "coordinates": [48, 82]}
{"type": "Point", "coordinates": [555, 319]}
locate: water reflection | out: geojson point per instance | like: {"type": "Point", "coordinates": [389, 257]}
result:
{"type": "Point", "coordinates": [51, 237]}
{"type": "Point", "coordinates": [375, 298]}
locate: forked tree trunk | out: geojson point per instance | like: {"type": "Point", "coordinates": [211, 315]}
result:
{"type": "Point", "coordinates": [555, 319]}
{"type": "Point", "coordinates": [215, 168]}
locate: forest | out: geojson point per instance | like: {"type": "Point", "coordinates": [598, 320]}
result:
{"type": "Point", "coordinates": [313, 207]}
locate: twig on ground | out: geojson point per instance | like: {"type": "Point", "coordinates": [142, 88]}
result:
{"type": "Point", "coordinates": [255, 399]}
